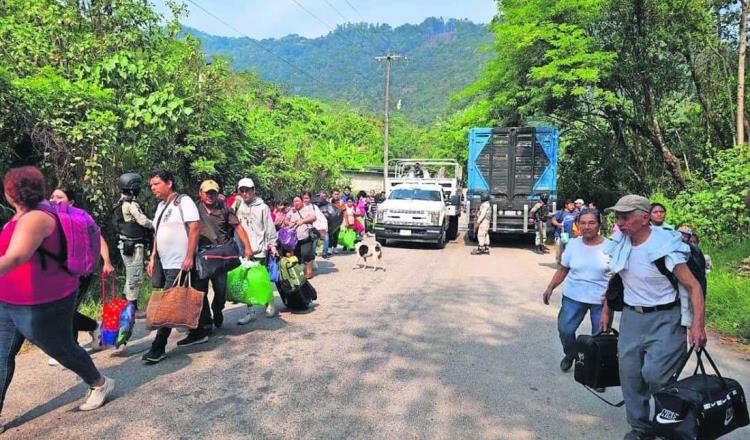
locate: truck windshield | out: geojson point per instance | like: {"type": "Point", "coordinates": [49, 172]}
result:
{"type": "Point", "coordinates": [415, 194]}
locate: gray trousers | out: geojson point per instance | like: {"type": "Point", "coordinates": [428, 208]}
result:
{"type": "Point", "coordinates": [649, 348]}
{"type": "Point", "coordinates": [133, 271]}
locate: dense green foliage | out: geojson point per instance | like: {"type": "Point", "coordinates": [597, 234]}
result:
{"type": "Point", "coordinates": [643, 92]}
{"type": "Point", "coordinates": [444, 56]}
{"type": "Point", "coordinates": [88, 91]}
{"type": "Point", "coordinates": [728, 304]}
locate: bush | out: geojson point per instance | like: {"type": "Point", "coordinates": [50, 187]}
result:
{"type": "Point", "coordinates": [716, 209]}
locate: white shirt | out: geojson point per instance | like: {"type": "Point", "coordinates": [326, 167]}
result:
{"type": "Point", "coordinates": [587, 279]}
{"type": "Point", "coordinates": [171, 234]}
{"type": "Point", "coordinates": [644, 284]}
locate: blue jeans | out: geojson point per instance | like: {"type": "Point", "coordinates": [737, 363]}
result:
{"type": "Point", "coordinates": [48, 327]}
{"type": "Point", "coordinates": [570, 317]}
{"type": "Point", "coordinates": [326, 243]}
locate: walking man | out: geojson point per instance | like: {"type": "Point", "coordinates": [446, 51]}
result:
{"type": "Point", "coordinates": [218, 226]}
{"type": "Point", "coordinates": [134, 230]}
{"type": "Point", "coordinates": [540, 212]}
{"type": "Point", "coordinates": [563, 222]}
{"type": "Point", "coordinates": [482, 226]}
{"type": "Point", "coordinates": [255, 218]}
{"type": "Point", "coordinates": [655, 315]}
{"type": "Point", "coordinates": [177, 229]}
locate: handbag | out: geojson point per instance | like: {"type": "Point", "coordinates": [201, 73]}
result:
{"type": "Point", "coordinates": [597, 365]}
{"type": "Point", "coordinates": [217, 259]}
{"type": "Point", "coordinates": [177, 307]}
{"type": "Point", "coordinates": [701, 406]}
{"type": "Point", "coordinates": [111, 311]}
{"type": "Point", "coordinates": [288, 238]}
{"type": "Point", "coordinates": [157, 273]}
{"type": "Point", "coordinates": [615, 293]}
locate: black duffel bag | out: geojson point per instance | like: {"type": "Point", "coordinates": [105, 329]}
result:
{"type": "Point", "coordinates": [596, 360]}
{"type": "Point", "coordinates": [216, 259]}
{"type": "Point", "coordinates": [700, 407]}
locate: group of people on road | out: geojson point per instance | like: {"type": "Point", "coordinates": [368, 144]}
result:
{"type": "Point", "coordinates": [40, 296]}
{"type": "Point", "coordinates": [661, 314]}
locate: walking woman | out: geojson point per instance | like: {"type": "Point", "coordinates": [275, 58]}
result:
{"type": "Point", "coordinates": [300, 218]}
{"type": "Point", "coordinates": [35, 303]}
{"type": "Point", "coordinates": [584, 269]}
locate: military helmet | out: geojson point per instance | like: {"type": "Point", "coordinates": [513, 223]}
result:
{"type": "Point", "coordinates": [130, 181]}
{"type": "Point", "coordinates": [485, 197]}
{"type": "Point", "coordinates": [544, 197]}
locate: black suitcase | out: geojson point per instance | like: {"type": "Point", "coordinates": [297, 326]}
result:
{"type": "Point", "coordinates": [596, 360]}
{"type": "Point", "coordinates": [299, 298]}
{"type": "Point", "coordinates": [700, 407]}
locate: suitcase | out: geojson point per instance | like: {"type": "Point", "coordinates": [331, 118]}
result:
{"type": "Point", "coordinates": [299, 298]}
{"type": "Point", "coordinates": [596, 360]}
{"type": "Point", "coordinates": [700, 407]}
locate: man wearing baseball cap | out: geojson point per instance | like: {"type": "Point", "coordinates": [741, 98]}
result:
{"type": "Point", "coordinates": [219, 226]}
{"type": "Point", "coordinates": [255, 218]}
{"type": "Point", "coordinates": [655, 315]}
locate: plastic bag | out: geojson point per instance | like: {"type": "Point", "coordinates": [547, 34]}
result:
{"type": "Point", "coordinates": [111, 311]}
{"type": "Point", "coordinates": [250, 285]}
{"type": "Point", "coordinates": [347, 238]}
{"type": "Point", "coordinates": [273, 270]}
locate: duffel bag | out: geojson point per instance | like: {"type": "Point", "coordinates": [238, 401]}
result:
{"type": "Point", "coordinates": [700, 407]}
{"type": "Point", "coordinates": [216, 259]}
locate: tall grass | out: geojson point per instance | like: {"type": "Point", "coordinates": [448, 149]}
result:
{"type": "Point", "coordinates": [728, 299]}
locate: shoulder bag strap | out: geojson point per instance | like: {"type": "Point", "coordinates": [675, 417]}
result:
{"type": "Point", "coordinates": [615, 405]}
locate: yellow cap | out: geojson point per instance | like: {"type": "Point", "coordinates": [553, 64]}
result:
{"type": "Point", "coordinates": [209, 185]}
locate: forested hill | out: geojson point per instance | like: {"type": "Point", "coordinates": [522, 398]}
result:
{"type": "Point", "coordinates": [444, 56]}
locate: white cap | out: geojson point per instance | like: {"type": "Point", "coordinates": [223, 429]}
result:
{"type": "Point", "coordinates": [246, 183]}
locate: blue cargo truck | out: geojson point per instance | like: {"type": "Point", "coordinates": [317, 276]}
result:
{"type": "Point", "coordinates": [514, 165]}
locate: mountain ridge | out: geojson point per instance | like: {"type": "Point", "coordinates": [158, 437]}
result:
{"type": "Point", "coordinates": [443, 57]}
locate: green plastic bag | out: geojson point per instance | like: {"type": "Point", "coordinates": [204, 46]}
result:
{"type": "Point", "coordinates": [250, 286]}
{"type": "Point", "coordinates": [347, 237]}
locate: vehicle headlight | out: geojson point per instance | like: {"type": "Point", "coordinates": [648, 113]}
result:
{"type": "Point", "coordinates": [379, 216]}
{"type": "Point", "coordinates": [435, 217]}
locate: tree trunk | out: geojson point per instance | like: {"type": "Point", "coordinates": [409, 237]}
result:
{"type": "Point", "coordinates": [742, 38]}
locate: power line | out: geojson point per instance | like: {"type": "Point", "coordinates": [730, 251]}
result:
{"type": "Point", "coordinates": [312, 15]}
{"type": "Point", "coordinates": [361, 17]}
{"type": "Point", "coordinates": [337, 11]}
{"type": "Point", "coordinates": [284, 60]}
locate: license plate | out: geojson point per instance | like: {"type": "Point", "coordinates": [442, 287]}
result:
{"type": "Point", "coordinates": [510, 213]}
{"type": "Point", "coordinates": [404, 232]}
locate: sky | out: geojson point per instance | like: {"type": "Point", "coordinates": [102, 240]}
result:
{"type": "Point", "coordinates": [276, 18]}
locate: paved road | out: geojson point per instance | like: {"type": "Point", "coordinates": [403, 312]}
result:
{"type": "Point", "coordinates": [443, 345]}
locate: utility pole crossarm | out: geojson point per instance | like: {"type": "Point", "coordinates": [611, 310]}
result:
{"type": "Point", "coordinates": [389, 58]}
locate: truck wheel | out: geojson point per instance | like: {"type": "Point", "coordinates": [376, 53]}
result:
{"type": "Point", "coordinates": [441, 241]}
{"type": "Point", "coordinates": [453, 228]}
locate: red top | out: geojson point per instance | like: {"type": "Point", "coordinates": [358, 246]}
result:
{"type": "Point", "coordinates": [28, 283]}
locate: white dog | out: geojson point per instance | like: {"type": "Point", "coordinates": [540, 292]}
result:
{"type": "Point", "coordinates": [368, 248]}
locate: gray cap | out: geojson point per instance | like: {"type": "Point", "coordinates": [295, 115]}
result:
{"type": "Point", "coordinates": [630, 203]}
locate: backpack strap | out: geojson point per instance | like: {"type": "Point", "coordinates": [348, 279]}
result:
{"type": "Point", "coordinates": [213, 234]}
{"type": "Point", "coordinates": [60, 257]}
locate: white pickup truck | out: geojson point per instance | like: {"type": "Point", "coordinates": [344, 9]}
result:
{"type": "Point", "coordinates": [414, 212]}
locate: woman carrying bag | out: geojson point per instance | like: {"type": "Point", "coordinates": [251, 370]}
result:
{"type": "Point", "coordinates": [300, 218]}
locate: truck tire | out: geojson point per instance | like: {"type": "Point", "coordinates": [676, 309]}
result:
{"type": "Point", "coordinates": [383, 241]}
{"type": "Point", "coordinates": [441, 241]}
{"type": "Point", "coordinates": [453, 228]}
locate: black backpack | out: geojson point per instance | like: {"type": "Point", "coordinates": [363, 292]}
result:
{"type": "Point", "coordinates": [696, 263]}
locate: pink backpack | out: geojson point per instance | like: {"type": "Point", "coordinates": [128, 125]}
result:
{"type": "Point", "coordinates": [79, 239]}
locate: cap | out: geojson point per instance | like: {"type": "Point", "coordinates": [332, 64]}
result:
{"type": "Point", "coordinates": [630, 203]}
{"type": "Point", "coordinates": [685, 230]}
{"type": "Point", "coordinates": [209, 185]}
{"type": "Point", "coordinates": [246, 183]}
{"type": "Point", "coordinates": [579, 201]}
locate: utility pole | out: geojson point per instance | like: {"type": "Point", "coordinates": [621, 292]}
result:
{"type": "Point", "coordinates": [389, 58]}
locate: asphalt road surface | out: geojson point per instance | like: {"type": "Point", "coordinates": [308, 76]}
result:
{"type": "Point", "coordinates": [444, 345]}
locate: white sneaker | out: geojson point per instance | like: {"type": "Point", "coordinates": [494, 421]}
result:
{"type": "Point", "coordinates": [52, 362]}
{"type": "Point", "coordinates": [271, 309]}
{"type": "Point", "coordinates": [96, 338]}
{"type": "Point", "coordinates": [249, 317]}
{"type": "Point", "coordinates": [96, 397]}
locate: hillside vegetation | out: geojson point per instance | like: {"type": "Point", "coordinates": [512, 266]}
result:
{"type": "Point", "coordinates": [444, 56]}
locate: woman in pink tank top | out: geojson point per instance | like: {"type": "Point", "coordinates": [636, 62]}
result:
{"type": "Point", "coordinates": [36, 295]}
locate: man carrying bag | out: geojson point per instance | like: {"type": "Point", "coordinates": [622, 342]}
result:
{"type": "Point", "coordinates": [216, 239]}
{"type": "Point", "coordinates": [176, 239]}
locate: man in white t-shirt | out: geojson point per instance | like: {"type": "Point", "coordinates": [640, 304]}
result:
{"type": "Point", "coordinates": [652, 338]}
{"type": "Point", "coordinates": [177, 227]}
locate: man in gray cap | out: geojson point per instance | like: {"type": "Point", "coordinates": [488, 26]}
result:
{"type": "Point", "coordinates": [652, 327]}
